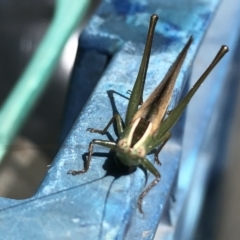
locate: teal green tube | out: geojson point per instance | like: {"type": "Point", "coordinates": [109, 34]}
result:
{"type": "Point", "coordinates": [32, 82]}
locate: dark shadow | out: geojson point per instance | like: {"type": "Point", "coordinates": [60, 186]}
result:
{"type": "Point", "coordinates": [115, 168]}
{"type": "Point", "coordinates": [112, 165]}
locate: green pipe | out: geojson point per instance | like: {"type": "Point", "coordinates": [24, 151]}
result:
{"type": "Point", "coordinates": [32, 82]}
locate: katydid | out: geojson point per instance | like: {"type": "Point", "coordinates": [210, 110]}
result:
{"type": "Point", "coordinates": [147, 124]}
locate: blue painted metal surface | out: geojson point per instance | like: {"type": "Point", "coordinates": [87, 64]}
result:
{"type": "Point", "coordinates": [101, 204]}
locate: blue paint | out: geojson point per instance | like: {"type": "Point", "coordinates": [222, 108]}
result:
{"type": "Point", "coordinates": [89, 66]}
{"type": "Point", "coordinates": [128, 7]}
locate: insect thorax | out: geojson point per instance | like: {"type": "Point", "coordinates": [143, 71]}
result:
{"type": "Point", "coordinates": [128, 156]}
{"type": "Point", "coordinates": [130, 147]}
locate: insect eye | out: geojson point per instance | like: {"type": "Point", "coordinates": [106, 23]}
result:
{"type": "Point", "coordinates": [141, 152]}
{"type": "Point", "coordinates": [122, 143]}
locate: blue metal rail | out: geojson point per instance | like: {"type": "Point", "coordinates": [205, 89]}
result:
{"type": "Point", "coordinates": [101, 204]}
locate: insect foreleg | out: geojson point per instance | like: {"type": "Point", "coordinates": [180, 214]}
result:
{"type": "Point", "coordinates": [165, 138]}
{"type": "Point", "coordinates": [116, 117]}
{"type": "Point", "coordinates": [149, 166]}
{"type": "Point", "coordinates": [104, 143]}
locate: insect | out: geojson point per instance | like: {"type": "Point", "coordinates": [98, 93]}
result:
{"type": "Point", "coordinates": [148, 123]}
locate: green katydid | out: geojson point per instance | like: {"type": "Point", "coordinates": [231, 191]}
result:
{"type": "Point", "coordinates": [147, 124]}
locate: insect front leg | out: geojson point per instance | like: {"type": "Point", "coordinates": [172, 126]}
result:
{"type": "Point", "coordinates": [116, 117]}
{"type": "Point", "coordinates": [148, 165]}
{"type": "Point", "coordinates": [165, 138]}
{"type": "Point", "coordinates": [104, 143]}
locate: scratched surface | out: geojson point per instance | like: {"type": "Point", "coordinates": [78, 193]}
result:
{"type": "Point", "coordinates": [101, 204]}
